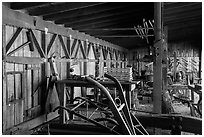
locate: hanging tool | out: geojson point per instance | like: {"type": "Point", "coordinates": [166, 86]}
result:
{"type": "Point", "coordinates": [52, 99]}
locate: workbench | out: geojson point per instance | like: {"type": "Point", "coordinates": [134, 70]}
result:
{"type": "Point", "coordinates": [61, 84]}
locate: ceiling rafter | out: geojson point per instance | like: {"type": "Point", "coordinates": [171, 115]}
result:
{"type": "Point", "coordinates": [97, 18]}
{"type": "Point", "coordinates": [177, 5]}
{"type": "Point", "coordinates": [60, 7]}
{"type": "Point", "coordinates": [108, 12]}
{"type": "Point", "coordinates": [183, 17]}
{"type": "Point", "coordinates": [104, 18]}
{"type": "Point", "coordinates": [184, 26]}
{"type": "Point", "coordinates": [116, 20]}
{"type": "Point", "coordinates": [197, 19]}
{"type": "Point", "coordinates": [191, 8]}
{"type": "Point", "coordinates": [27, 5]}
{"type": "Point", "coordinates": [84, 11]}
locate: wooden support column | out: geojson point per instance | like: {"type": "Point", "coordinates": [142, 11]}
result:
{"type": "Point", "coordinates": [44, 73]}
{"type": "Point", "coordinates": [174, 69]}
{"type": "Point", "coordinates": [69, 41]}
{"type": "Point", "coordinates": [62, 99]}
{"type": "Point", "coordinates": [157, 65]}
{"type": "Point", "coordinates": [84, 52]}
{"type": "Point", "coordinates": [98, 60]}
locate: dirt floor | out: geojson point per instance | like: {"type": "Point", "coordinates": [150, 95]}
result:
{"type": "Point", "coordinates": [146, 104]}
{"type": "Point", "coordinates": [179, 108]}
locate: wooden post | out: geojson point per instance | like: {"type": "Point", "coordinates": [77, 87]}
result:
{"type": "Point", "coordinates": [62, 99]}
{"type": "Point", "coordinates": [175, 62]}
{"type": "Point", "coordinates": [69, 42]}
{"type": "Point", "coordinates": [4, 79]}
{"type": "Point", "coordinates": [157, 66]}
{"type": "Point", "coordinates": [83, 89]}
{"type": "Point", "coordinates": [44, 74]}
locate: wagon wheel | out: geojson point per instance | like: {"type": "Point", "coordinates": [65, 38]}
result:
{"type": "Point", "coordinates": [105, 117]}
{"type": "Point", "coordinates": [93, 121]}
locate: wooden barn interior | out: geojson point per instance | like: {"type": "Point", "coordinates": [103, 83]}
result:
{"type": "Point", "coordinates": [97, 68]}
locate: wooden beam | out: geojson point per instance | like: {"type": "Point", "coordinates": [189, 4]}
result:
{"type": "Point", "coordinates": [19, 19]}
{"type": "Point", "coordinates": [86, 15]}
{"type": "Point", "coordinates": [17, 49]}
{"type": "Point", "coordinates": [110, 53]}
{"type": "Point", "coordinates": [103, 24]}
{"type": "Point", "coordinates": [190, 8]}
{"type": "Point", "coordinates": [51, 42]}
{"type": "Point", "coordinates": [177, 5]}
{"type": "Point", "coordinates": [44, 72]}
{"type": "Point", "coordinates": [122, 36]}
{"type": "Point", "coordinates": [24, 60]}
{"type": "Point", "coordinates": [182, 16]}
{"type": "Point", "coordinates": [38, 47]}
{"type": "Point", "coordinates": [109, 15]}
{"type": "Point", "coordinates": [126, 17]}
{"type": "Point", "coordinates": [69, 41]}
{"type": "Point", "coordinates": [77, 49]}
{"type": "Point", "coordinates": [29, 37]}
{"type": "Point", "coordinates": [30, 124]}
{"type": "Point", "coordinates": [86, 60]}
{"type": "Point", "coordinates": [186, 21]}
{"type": "Point", "coordinates": [157, 64]}
{"type": "Point", "coordinates": [83, 48]}
{"type": "Point", "coordinates": [94, 51]}
{"type": "Point", "coordinates": [88, 49]}
{"type": "Point", "coordinates": [26, 5]}
{"type": "Point", "coordinates": [116, 54]}
{"type": "Point", "coordinates": [64, 47]}
{"type": "Point", "coordinates": [101, 7]}
{"type": "Point", "coordinates": [105, 53]}
{"type": "Point", "coordinates": [8, 46]}
{"type": "Point", "coordinates": [112, 29]}
{"type": "Point", "coordinates": [58, 7]}
{"type": "Point", "coordinates": [74, 44]}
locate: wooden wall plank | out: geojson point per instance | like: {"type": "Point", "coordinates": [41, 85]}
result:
{"type": "Point", "coordinates": [74, 47]}
{"type": "Point", "coordinates": [16, 85]}
{"type": "Point", "coordinates": [63, 54]}
{"type": "Point", "coordinates": [23, 20]}
{"type": "Point", "coordinates": [27, 103]}
{"type": "Point", "coordinates": [32, 79]}
{"type": "Point", "coordinates": [11, 97]}
{"type": "Point", "coordinates": [68, 66]}
{"type": "Point", "coordinates": [52, 40]}
{"type": "Point", "coordinates": [4, 92]}
{"type": "Point", "coordinates": [63, 46]}
{"type": "Point", "coordinates": [10, 83]}
{"type": "Point", "coordinates": [21, 68]}
{"type": "Point", "coordinates": [35, 73]}
{"type": "Point", "coordinates": [58, 49]}
{"type": "Point", "coordinates": [15, 35]}
{"type": "Point", "coordinates": [4, 97]}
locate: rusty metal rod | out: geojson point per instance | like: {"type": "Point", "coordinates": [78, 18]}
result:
{"type": "Point", "coordinates": [113, 106]}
